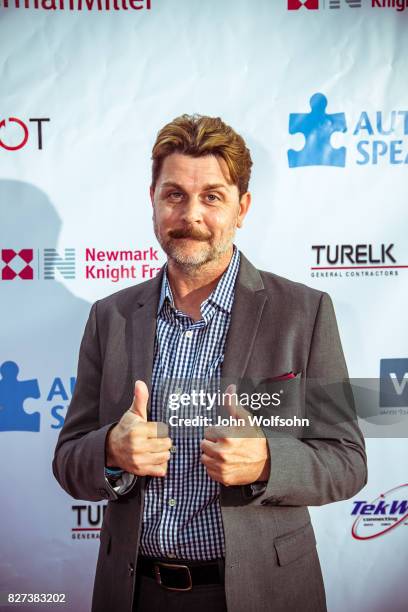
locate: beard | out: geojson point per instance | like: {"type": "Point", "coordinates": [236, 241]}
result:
{"type": "Point", "coordinates": [208, 249]}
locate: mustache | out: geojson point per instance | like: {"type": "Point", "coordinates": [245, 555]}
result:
{"type": "Point", "coordinates": [189, 232]}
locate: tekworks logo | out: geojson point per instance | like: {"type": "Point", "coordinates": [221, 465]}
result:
{"type": "Point", "coordinates": [373, 138]}
{"type": "Point", "coordinates": [30, 264]}
{"type": "Point", "coordinates": [314, 5]}
{"type": "Point", "coordinates": [14, 392]}
{"type": "Point", "coordinates": [394, 383]}
{"type": "Point", "coordinates": [354, 260]}
{"type": "Point", "coordinates": [384, 513]}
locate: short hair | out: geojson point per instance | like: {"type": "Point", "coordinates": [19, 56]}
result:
{"type": "Point", "coordinates": [199, 135]}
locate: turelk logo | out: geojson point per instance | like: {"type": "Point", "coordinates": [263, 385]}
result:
{"type": "Point", "coordinates": [87, 521]}
{"type": "Point", "coordinates": [336, 260]}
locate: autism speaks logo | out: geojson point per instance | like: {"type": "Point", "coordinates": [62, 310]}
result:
{"type": "Point", "coordinates": [372, 138]}
{"type": "Point", "coordinates": [384, 513]}
{"type": "Point", "coordinates": [14, 392]}
{"type": "Point", "coordinates": [317, 128]}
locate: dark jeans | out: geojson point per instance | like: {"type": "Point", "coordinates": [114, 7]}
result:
{"type": "Point", "coordinates": [151, 597]}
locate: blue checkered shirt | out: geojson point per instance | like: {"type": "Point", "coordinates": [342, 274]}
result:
{"type": "Point", "coordinates": [182, 515]}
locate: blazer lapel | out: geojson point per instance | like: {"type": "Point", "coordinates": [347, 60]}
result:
{"type": "Point", "coordinates": [140, 343]}
{"type": "Point", "coordinates": [249, 301]}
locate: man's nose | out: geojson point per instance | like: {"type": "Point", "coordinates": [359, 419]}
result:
{"type": "Point", "coordinates": [192, 209]}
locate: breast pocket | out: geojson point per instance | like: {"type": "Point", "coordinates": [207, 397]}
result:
{"type": "Point", "coordinates": [281, 404]}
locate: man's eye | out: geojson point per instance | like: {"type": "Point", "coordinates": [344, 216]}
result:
{"type": "Point", "coordinates": [212, 197]}
{"type": "Point", "coordinates": [175, 195]}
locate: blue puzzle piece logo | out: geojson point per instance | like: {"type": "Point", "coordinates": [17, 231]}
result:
{"type": "Point", "coordinates": [13, 393]}
{"type": "Point", "coordinates": [317, 128]}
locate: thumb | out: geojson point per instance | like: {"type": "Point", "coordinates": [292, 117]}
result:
{"type": "Point", "coordinates": [139, 404]}
{"type": "Point", "coordinates": [231, 402]}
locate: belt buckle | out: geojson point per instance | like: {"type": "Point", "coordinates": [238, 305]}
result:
{"type": "Point", "coordinates": [172, 566]}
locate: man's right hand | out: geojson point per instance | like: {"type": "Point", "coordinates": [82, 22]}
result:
{"type": "Point", "coordinates": [137, 445]}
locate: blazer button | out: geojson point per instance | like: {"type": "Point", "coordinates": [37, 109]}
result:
{"type": "Point", "coordinates": [131, 569]}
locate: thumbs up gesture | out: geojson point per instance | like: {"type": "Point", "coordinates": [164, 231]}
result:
{"type": "Point", "coordinates": [137, 445]}
{"type": "Point", "coordinates": [235, 454]}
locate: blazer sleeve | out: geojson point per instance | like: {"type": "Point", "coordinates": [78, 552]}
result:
{"type": "Point", "coordinates": [79, 457]}
{"type": "Point", "coordinates": [330, 464]}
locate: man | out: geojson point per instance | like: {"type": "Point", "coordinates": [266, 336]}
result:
{"type": "Point", "coordinates": [205, 516]}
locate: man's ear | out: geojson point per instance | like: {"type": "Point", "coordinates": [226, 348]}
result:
{"type": "Point", "coordinates": [151, 190]}
{"type": "Point", "coordinates": [244, 204]}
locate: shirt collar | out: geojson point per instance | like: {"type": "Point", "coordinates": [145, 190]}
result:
{"type": "Point", "coordinates": [222, 295]}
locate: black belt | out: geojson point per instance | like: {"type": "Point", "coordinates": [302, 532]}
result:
{"type": "Point", "coordinates": [181, 576]}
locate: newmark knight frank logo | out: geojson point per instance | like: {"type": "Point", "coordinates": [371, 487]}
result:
{"type": "Point", "coordinates": [315, 5]}
{"type": "Point", "coordinates": [114, 265]}
{"type": "Point", "coordinates": [372, 137]}
{"type": "Point", "coordinates": [29, 264]}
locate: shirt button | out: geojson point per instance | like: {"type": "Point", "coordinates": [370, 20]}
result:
{"type": "Point", "coordinates": [173, 449]}
{"type": "Point", "coordinates": [189, 334]}
{"type": "Point", "coordinates": [171, 555]}
{"type": "Point", "coordinates": [172, 502]}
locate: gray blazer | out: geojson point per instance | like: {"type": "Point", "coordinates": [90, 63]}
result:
{"type": "Point", "coordinates": [277, 326]}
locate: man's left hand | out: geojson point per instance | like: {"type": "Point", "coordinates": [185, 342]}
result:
{"type": "Point", "coordinates": [235, 454]}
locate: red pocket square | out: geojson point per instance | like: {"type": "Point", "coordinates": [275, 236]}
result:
{"type": "Point", "coordinates": [284, 376]}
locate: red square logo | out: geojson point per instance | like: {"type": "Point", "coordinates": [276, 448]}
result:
{"type": "Point", "coordinates": [17, 264]}
{"type": "Point", "coordinates": [294, 5]}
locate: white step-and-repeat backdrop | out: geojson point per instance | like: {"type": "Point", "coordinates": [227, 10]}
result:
{"type": "Point", "coordinates": [319, 91]}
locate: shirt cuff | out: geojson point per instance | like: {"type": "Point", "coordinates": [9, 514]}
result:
{"type": "Point", "coordinates": [254, 489]}
{"type": "Point", "coordinates": [122, 484]}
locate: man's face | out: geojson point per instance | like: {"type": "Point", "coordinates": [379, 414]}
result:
{"type": "Point", "coordinates": [196, 209]}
